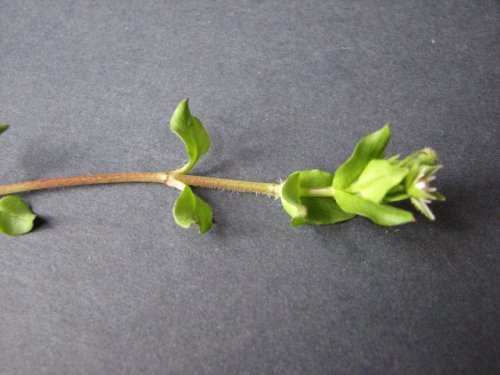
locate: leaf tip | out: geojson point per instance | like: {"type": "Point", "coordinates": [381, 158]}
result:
{"type": "Point", "coordinates": [387, 128]}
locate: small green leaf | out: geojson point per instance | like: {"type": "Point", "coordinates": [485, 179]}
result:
{"type": "Point", "coordinates": [324, 211]}
{"type": "Point", "coordinates": [189, 209]}
{"type": "Point", "coordinates": [190, 130]}
{"type": "Point", "coordinates": [379, 213]}
{"type": "Point", "coordinates": [377, 179]}
{"type": "Point", "coordinates": [306, 209]}
{"type": "Point", "coordinates": [315, 179]}
{"type": "Point", "coordinates": [290, 199]}
{"type": "Point", "coordinates": [16, 217]}
{"type": "Point", "coordinates": [370, 147]}
{"type": "Point", "coordinates": [3, 127]}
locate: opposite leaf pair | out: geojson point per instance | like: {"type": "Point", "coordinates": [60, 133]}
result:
{"type": "Point", "coordinates": [190, 209]}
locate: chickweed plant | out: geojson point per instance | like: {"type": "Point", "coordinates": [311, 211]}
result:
{"type": "Point", "coordinates": [367, 184]}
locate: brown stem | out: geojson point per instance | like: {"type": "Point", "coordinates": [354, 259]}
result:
{"type": "Point", "coordinates": [109, 178]}
{"type": "Point", "coordinates": [170, 179]}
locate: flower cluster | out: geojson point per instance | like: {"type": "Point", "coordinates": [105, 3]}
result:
{"type": "Point", "coordinates": [421, 167]}
{"type": "Point", "coordinates": [364, 185]}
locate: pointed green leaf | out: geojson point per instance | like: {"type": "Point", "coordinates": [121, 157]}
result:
{"type": "Point", "coordinates": [306, 209]}
{"type": "Point", "coordinates": [377, 179]}
{"type": "Point", "coordinates": [370, 147]}
{"type": "Point", "coordinates": [190, 130]}
{"type": "Point", "coordinates": [190, 209]}
{"type": "Point", "coordinates": [379, 213]}
{"type": "Point", "coordinates": [16, 217]}
{"type": "Point", "coordinates": [3, 127]}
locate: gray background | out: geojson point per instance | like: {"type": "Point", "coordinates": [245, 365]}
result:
{"type": "Point", "coordinates": [108, 283]}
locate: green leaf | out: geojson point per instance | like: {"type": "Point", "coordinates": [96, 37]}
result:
{"type": "Point", "coordinates": [189, 209]}
{"type": "Point", "coordinates": [190, 130]}
{"type": "Point", "coordinates": [3, 127]}
{"type": "Point", "coordinates": [290, 199]}
{"type": "Point", "coordinates": [306, 209]}
{"type": "Point", "coordinates": [315, 179]}
{"type": "Point", "coordinates": [370, 147]}
{"type": "Point", "coordinates": [379, 213]}
{"type": "Point", "coordinates": [324, 211]}
{"type": "Point", "coordinates": [377, 179]}
{"type": "Point", "coordinates": [16, 217]}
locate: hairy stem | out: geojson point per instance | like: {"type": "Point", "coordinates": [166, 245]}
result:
{"type": "Point", "coordinates": [170, 179]}
{"type": "Point", "coordinates": [222, 183]}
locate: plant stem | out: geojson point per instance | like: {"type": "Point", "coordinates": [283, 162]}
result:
{"type": "Point", "coordinates": [222, 183]}
{"type": "Point", "coordinates": [170, 179]}
{"type": "Point", "coordinates": [97, 179]}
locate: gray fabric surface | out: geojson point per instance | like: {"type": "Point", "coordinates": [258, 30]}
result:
{"type": "Point", "coordinates": [108, 284]}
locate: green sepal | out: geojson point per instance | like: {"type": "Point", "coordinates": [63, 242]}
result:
{"type": "Point", "coordinates": [190, 209]}
{"type": "Point", "coordinates": [313, 210]}
{"type": "Point", "coordinates": [438, 196]}
{"type": "Point", "coordinates": [3, 127]}
{"type": "Point", "coordinates": [190, 130]}
{"type": "Point", "coordinates": [419, 193]}
{"type": "Point", "coordinates": [425, 156]}
{"type": "Point", "coordinates": [381, 214]}
{"type": "Point", "coordinates": [377, 179]}
{"type": "Point", "coordinates": [370, 147]}
{"type": "Point", "coordinates": [16, 217]}
{"type": "Point", "coordinates": [422, 206]}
